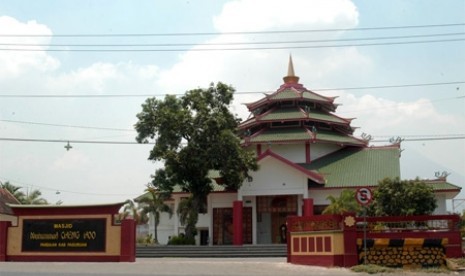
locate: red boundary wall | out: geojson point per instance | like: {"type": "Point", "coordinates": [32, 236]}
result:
{"type": "Point", "coordinates": [331, 240]}
{"type": "Point", "coordinates": [127, 233]}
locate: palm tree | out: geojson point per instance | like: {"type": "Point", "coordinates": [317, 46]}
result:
{"type": "Point", "coordinates": [14, 190]}
{"type": "Point", "coordinates": [34, 198]}
{"type": "Point", "coordinates": [346, 202]}
{"type": "Point", "coordinates": [130, 210]}
{"type": "Point", "coordinates": [188, 216]}
{"type": "Point", "coordinates": [154, 203]}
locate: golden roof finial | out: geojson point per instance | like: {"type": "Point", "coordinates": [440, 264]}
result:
{"type": "Point", "coordinates": [290, 68]}
{"type": "Point", "coordinates": [291, 77]}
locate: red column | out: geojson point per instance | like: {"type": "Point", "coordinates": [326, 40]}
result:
{"type": "Point", "coordinates": [128, 240]}
{"type": "Point", "coordinates": [237, 222]}
{"type": "Point", "coordinates": [307, 153]}
{"type": "Point", "coordinates": [308, 207]}
{"type": "Point", "coordinates": [4, 225]}
{"type": "Point", "coordinates": [350, 240]}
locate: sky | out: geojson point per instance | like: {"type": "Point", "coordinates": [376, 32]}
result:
{"type": "Point", "coordinates": [79, 71]}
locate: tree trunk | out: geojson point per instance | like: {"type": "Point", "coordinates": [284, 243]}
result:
{"type": "Point", "coordinates": [191, 229]}
{"type": "Point", "coordinates": [156, 222]}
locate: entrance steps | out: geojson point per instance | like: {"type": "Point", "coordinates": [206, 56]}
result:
{"type": "Point", "coordinates": [217, 251]}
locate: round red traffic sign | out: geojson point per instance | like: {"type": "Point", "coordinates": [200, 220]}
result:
{"type": "Point", "coordinates": [364, 196]}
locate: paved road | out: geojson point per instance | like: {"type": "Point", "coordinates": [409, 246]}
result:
{"type": "Point", "coordinates": [172, 267]}
{"type": "Point", "coordinates": [180, 267]}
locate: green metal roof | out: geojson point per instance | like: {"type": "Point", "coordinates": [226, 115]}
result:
{"type": "Point", "coordinates": [285, 94]}
{"type": "Point", "coordinates": [442, 185]}
{"type": "Point", "coordinates": [320, 116]}
{"type": "Point", "coordinates": [281, 134]}
{"type": "Point", "coordinates": [295, 113]}
{"type": "Point", "coordinates": [354, 167]}
{"type": "Point", "coordinates": [284, 114]}
{"type": "Point", "coordinates": [302, 134]}
{"type": "Point", "coordinates": [335, 137]}
{"type": "Point", "coordinates": [314, 97]}
{"type": "Point", "coordinates": [248, 123]}
{"type": "Point", "coordinates": [290, 94]}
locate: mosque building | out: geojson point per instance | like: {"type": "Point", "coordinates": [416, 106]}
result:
{"type": "Point", "coordinates": [305, 153]}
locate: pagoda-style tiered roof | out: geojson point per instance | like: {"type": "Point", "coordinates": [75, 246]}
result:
{"type": "Point", "coordinates": [294, 114]}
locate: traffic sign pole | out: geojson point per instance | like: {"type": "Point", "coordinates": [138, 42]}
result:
{"type": "Point", "coordinates": [364, 196]}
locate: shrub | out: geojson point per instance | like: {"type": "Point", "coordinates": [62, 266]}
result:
{"type": "Point", "coordinates": [181, 240]}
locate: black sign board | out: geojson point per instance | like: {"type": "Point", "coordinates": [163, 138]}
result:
{"type": "Point", "coordinates": [64, 235]}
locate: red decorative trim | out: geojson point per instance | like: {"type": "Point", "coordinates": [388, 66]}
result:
{"type": "Point", "coordinates": [61, 258]}
{"type": "Point", "coordinates": [128, 240]}
{"type": "Point", "coordinates": [296, 243]}
{"type": "Point", "coordinates": [237, 222]}
{"type": "Point", "coordinates": [311, 244]}
{"type": "Point", "coordinates": [319, 244]}
{"type": "Point", "coordinates": [314, 176]}
{"type": "Point", "coordinates": [340, 188]}
{"type": "Point", "coordinates": [327, 261]}
{"type": "Point", "coordinates": [308, 207]}
{"type": "Point", "coordinates": [327, 244]}
{"type": "Point", "coordinates": [259, 149]}
{"type": "Point", "coordinates": [35, 210]}
{"type": "Point", "coordinates": [307, 153]}
{"type": "Point", "coordinates": [3, 239]}
{"type": "Point", "coordinates": [303, 244]}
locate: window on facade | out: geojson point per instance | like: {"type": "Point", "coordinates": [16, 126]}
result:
{"type": "Point", "coordinates": [286, 103]}
{"type": "Point", "coordinates": [308, 107]}
{"type": "Point", "coordinates": [272, 204]}
{"type": "Point", "coordinates": [318, 209]}
{"type": "Point", "coordinates": [223, 226]}
{"type": "Point", "coordinates": [285, 124]}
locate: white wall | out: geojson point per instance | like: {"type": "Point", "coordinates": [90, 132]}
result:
{"type": "Point", "coordinates": [10, 218]}
{"type": "Point", "coordinates": [441, 201]}
{"type": "Point", "coordinates": [319, 196]}
{"type": "Point", "coordinates": [319, 150]}
{"type": "Point", "coordinates": [223, 200]}
{"type": "Point", "coordinates": [294, 153]}
{"type": "Point", "coordinates": [274, 178]}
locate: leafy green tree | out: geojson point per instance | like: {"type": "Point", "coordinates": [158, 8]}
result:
{"type": "Point", "coordinates": [346, 202]}
{"type": "Point", "coordinates": [31, 197]}
{"type": "Point", "coordinates": [14, 190]}
{"type": "Point", "coordinates": [193, 135]}
{"type": "Point", "coordinates": [34, 198]}
{"type": "Point", "coordinates": [394, 197]}
{"type": "Point", "coordinates": [154, 203]}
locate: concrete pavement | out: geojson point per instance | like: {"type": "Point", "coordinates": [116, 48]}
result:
{"type": "Point", "coordinates": [179, 267]}
{"type": "Point", "coordinates": [172, 266]}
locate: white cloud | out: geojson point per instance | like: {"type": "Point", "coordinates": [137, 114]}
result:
{"type": "Point", "coordinates": [384, 118]}
{"type": "Point", "coordinates": [246, 70]}
{"type": "Point", "coordinates": [419, 117]}
{"type": "Point", "coordinates": [261, 70]}
{"type": "Point", "coordinates": [257, 15]}
{"type": "Point", "coordinates": [70, 161]}
{"type": "Point", "coordinates": [105, 77]}
{"type": "Point", "coordinates": [16, 63]}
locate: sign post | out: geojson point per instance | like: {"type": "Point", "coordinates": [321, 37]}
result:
{"type": "Point", "coordinates": [364, 196]}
